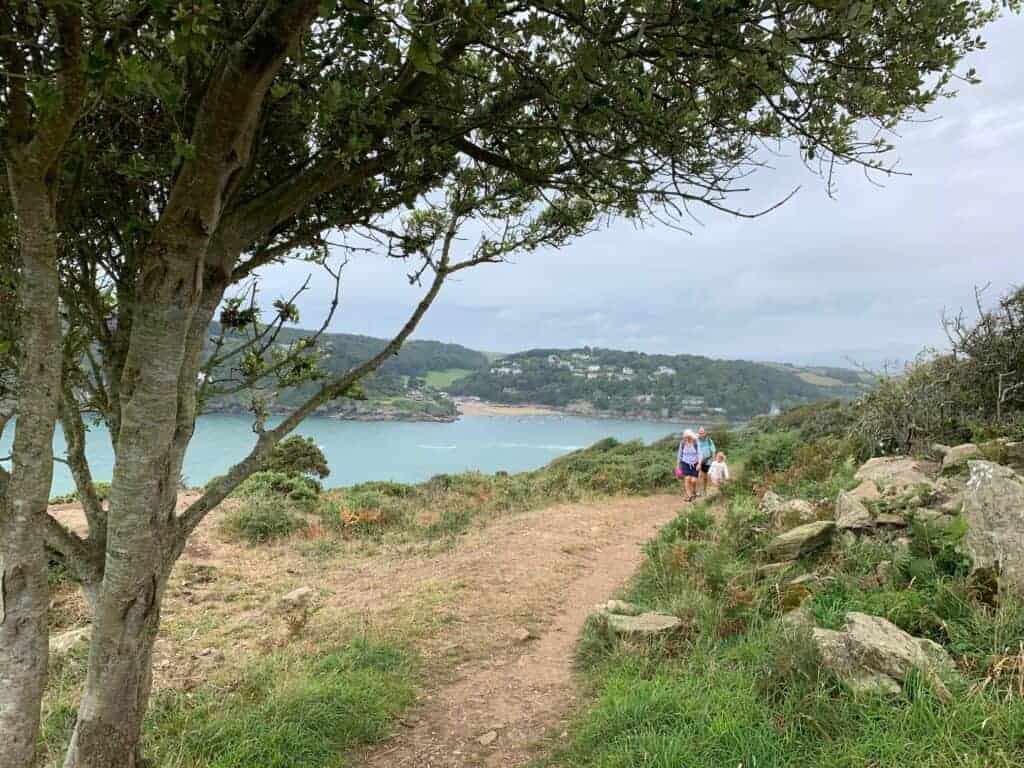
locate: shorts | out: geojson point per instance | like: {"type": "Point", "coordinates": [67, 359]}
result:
{"type": "Point", "coordinates": [689, 470]}
{"type": "Point", "coordinates": [705, 466]}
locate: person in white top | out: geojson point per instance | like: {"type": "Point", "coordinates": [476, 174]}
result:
{"type": "Point", "coordinates": [718, 472]}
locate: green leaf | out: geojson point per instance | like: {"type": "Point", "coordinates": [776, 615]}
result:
{"type": "Point", "coordinates": [421, 57]}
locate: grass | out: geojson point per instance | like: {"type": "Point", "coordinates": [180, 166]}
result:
{"type": "Point", "coordinates": [288, 710]}
{"type": "Point", "coordinates": [736, 687]}
{"type": "Point", "coordinates": [447, 505]}
{"type": "Point", "coordinates": [444, 379]}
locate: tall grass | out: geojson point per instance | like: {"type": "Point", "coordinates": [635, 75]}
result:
{"type": "Point", "coordinates": [737, 687]}
{"type": "Point", "coordinates": [284, 711]}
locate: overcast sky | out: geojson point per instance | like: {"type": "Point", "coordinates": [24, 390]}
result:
{"type": "Point", "coordinates": [864, 276]}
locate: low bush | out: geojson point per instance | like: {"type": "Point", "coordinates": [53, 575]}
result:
{"type": "Point", "coordinates": [771, 452]}
{"type": "Point", "coordinates": [261, 519]}
{"type": "Point", "coordinates": [295, 488]}
{"type": "Point", "coordinates": [298, 455]}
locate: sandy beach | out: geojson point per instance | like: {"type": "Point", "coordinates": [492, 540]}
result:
{"type": "Point", "coordinates": [478, 408]}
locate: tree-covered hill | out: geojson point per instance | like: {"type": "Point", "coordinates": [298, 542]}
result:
{"type": "Point", "coordinates": [637, 384]}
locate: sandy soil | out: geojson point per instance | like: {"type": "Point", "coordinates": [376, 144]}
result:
{"type": "Point", "coordinates": [491, 693]}
{"type": "Point", "coordinates": [477, 408]}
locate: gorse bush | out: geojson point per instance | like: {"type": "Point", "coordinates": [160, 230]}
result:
{"type": "Point", "coordinates": [294, 488]}
{"type": "Point", "coordinates": [260, 520]}
{"type": "Point", "coordinates": [772, 452]}
{"type": "Point", "coordinates": [298, 455]}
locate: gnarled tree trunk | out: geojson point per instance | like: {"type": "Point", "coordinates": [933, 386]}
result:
{"type": "Point", "coordinates": [24, 594]}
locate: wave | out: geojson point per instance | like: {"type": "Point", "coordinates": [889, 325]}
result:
{"type": "Point", "coordinates": [438, 447]}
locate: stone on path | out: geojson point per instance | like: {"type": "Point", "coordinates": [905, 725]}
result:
{"type": "Point", "coordinates": [488, 738]}
{"type": "Point", "coordinates": [800, 540]}
{"type": "Point", "coordinates": [297, 599]}
{"type": "Point", "coordinates": [872, 655]}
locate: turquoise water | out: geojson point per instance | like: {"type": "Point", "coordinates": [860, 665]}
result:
{"type": "Point", "coordinates": [386, 450]}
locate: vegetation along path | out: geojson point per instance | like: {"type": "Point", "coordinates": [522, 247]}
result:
{"type": "Point", "coordinates": [540, 572]}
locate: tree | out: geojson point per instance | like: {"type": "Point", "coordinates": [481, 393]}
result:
{"type": "Point", "coordinates": [221, 137]}
{"type": "Point", "coordinates": [298, 456]}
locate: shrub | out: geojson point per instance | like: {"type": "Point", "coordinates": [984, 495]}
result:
{"type": "Point", "coordinates": [260, 520]}
{"type": "Point", "coordinates": [772, 452]}
{"type": "Point", "coordinates": [298, 456]}
{"type": "Point", "coordinates": [296, 488]}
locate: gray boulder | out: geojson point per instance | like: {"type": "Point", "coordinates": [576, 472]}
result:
{"type": "Point", "coordinates": [993, 505]}
{"type": "Point", "coordinates": [956, 458]}
{"type": "Point", "coordinates": [851, 513]}
{"type": "Point", "coordinates": [644, 625]}
{"type": "Point", "coordinates": [800, 541]}
{"type": "Point", "coordinates": [866, 491]}
{"type": "Point", "coordinates": [770, 503]}
{"type": "Point", "coordinates": [872, 655]}
{"type": "Point", "coordinates": [63, 643]}
{"type": "Point", "coordinates": [791, 514]}
{"type": "Point", "coordinates": [894, 474]}
{"type": "Point", "coordinates": [297, 600]}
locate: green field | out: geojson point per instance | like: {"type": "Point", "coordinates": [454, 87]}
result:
{"type": "Point", "coordinates": [444, 379]}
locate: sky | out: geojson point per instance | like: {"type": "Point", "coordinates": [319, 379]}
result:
{"type": "Point", "coordinates": [862, 277]}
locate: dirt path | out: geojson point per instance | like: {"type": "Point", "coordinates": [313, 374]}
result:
{"type": "Point", "coordinates": [553, 566]}
{"type": "Point", "coordinates": [492, 693]}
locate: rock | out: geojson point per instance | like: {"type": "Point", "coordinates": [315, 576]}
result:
{"type": "Point", "coordinates": [773, 569]}
{"type": "Point", "coordinates": [887, 518]}
{"type": "Point", "coordinates": [770, 503]}
{"type": "Point", "coordinates": [902, 544]}
{"type": "Point", "coordinates": [872, 655]}
{"type": "Point", "coordinates": [488, 738]}
{"type": "Point", "coordinates": [938, 449]}
{"type": "Point", "coordinates": [994, 509]}
{"type": "Point", "coordinates": [643, 625]}
{"type": "Point", "coordinates": [956, 458]}
{"type": "Point", "coordinates": [522, 634]}
{"type": "Point", "coordinates": [620, 607]}
{"type": "Point", "coordinates": [953, 504]}
{"type": "Point", "coordinates": [851, 513]}
{"type": "Point", "coordinates": [790, 514]}
{"type": "Point", "coordinates": [800, 618]}
{"type": "Point", "coordinates": [297, 599]}
{"type": "Point", "coordinates": [894, 474]}
{"type": "Point", "coordinates": [800, 540]}
{"type": "Point", "coordinates": [884, 572]}
{"type": "Point", "coordinates": [866, 491]}
{"type": "Point", "coordinates": [64, 643]}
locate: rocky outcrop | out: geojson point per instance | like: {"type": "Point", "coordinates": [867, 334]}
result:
{"type": "Point", "coordinates": [894, 474]}
{"type": "Point", "coordinates": [866, 492]}
{"type": "Point", "coordinates": [993, 505]}
{"type": "Point", "coordinates": [800, 541]}
{"type": "Point", "coordinates": [297, 600]}
{"type": "Point", "coordinates": [793, 513]}
{"type": "Point", "coordinates": [956, 458]}
{"type": "Point", "coordinates": [852, 513]}
{"type": "Point", "coordinates": [872, 655]}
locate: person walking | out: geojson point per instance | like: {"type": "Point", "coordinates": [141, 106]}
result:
{"type": "Point", "coordinates": [688, 464]}
{"type": "Point", "coordinates": [706, 446]}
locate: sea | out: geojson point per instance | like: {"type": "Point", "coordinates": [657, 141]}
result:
{"type": "Point", "coordinates": [405, 452]}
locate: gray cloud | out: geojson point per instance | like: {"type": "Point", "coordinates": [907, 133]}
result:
{"type": "Point", "coordinates": [864, 275]}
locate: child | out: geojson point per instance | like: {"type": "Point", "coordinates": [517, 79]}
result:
{"type": "Point", "coordinates": [718, 472]}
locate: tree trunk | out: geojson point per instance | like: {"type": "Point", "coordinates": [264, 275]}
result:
{"type": "Point", "coordinates": [24, 594]}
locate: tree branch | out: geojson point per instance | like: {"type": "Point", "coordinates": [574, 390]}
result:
{"type": "Point", "coordinates": [217, 491]}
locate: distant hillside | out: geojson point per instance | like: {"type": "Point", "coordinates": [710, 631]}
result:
{"type": "Point", "coordinates": [638, 385]}
{"type": "Point", "coordinates": [406, 386]}
{"type": "Point", "coordinates": [415, 383]}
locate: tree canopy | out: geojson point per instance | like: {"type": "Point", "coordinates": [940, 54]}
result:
{"type": "Point", "coordinates": [158, 154]}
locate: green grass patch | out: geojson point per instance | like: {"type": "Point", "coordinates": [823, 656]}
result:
{"type": "Point", "coordinates": [444, 379]}
{"type": "Point", "coordinates": [447, 505]}
{"type": "Point", "coordinates": [736, 687]}
{"type": "Point", "coordinates": [286, 711]}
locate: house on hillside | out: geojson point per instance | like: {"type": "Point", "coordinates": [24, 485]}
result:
{"type": "Point", "coordinates": [664, 370]}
